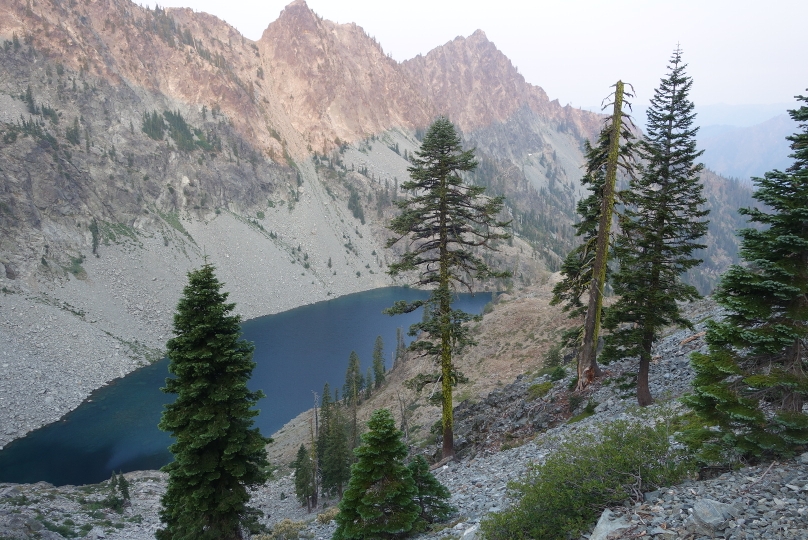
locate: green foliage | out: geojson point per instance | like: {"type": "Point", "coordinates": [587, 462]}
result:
{"type": "Point", "coordinates": [443, 220]}
{"type": "Point", "coordinates": [285, 529]}
{"type": "Point", "coordinates": [217, 452]}
{"type": "Point", "coordinates": [588, 411]}
{"type": "Point", "coordinates": [553, 357]}
{"type": "Point", "coordinates": [379, 501]}
{"type": "Point", "coordinates": [153, 125]}
{"type": "Point", "coordinates": [576, 270]}
{"type": "Point", "coordinates": [304, 476]}
{"type": "Point", "coordinates": [333, 454]}
{"type": "Point", "coordinates": [378, 362]}
{"type": "Point", "coordinates": [354, 381]}
{"type": "Point", "coordinates": [95, 235]}
{"type": "Point", "coordinates": [750, 388]}
{"type": "Point", "coordinates": [538, 390]}
{"type": "Point", "coordinates": [179, 130]}
{"type": "Point", "coordinates": [355, 204]}
{"type": "Point", "coordinates": [72, 133]}
{"type": "Point", "coordinates": [431, 495]}
{"type": "Point", "coordinates": [661, 226]}
{"type": "Point", "coordinates": [118, 496]}
{"type": "Point", "coordinates": [75, 267]}
{"type": "Point", "coordinates": [563, 497]}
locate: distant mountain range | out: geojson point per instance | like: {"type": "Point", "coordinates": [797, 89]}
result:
{"type": "Point", "coordinates": [745, 152]}
{"type": "Point", "coordinates": [115, 114]}
{"type": "Point", "coordinates": [741, 141]}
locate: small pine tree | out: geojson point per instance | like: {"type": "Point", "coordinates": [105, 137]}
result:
{"type": "Point", "coordinates": [217, 451]}
{"type": "Point", "coordinates": [123, 487]}
{"type": "Point", "coordinates": [354, 382]}
{"type": "Point", "coordinates": [304, 472]}
{"type": "Point", "coordinates": [432, 495]}
{"type": "Point", "coordinates": [368, 382]}
{"type": "Point", "coordinates": [752, 384]}
{"type": "Point", "coordinates": [379, 501]}
{"type": "Point", "coordinates": [336, 464]}
{"type": "Point", "coordinates": [378, 362]}
{"type": "Point", "coordinates": [95, 236]}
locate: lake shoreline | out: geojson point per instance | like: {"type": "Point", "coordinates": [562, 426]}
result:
{"type": "Point", "coordinates": [62, 339]}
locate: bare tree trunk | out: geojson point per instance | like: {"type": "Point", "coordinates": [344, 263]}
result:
{"type": "Point", "coordinates": [588, 367]}
{"type": "Point", "coordinates": [644, 397]}
{"type": "Point", "coordinates": [404, 426]}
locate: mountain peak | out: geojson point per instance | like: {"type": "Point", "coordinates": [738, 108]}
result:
{"type": "Point", "coordinates": [479, 35]}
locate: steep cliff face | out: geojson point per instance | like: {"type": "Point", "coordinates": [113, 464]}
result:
{"type": "Point", "coordinates": [472, 82]}
{"type": "Point", "coordinates": [335, 82]}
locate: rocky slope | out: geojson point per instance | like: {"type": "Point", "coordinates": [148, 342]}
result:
{"type": "Point", "coordinates": [513, 427]}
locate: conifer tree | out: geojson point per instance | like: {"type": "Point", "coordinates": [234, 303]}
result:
{"type": "Point", "coordinates": [661, 225]}
{"type": "Point", "coordinates": [431, 495]}
{"type": "Point", "coordinates": [324, 424]}
{"type": "Point", "coordinates": [577, 268]}
{"type": "Point", "coordinates": [445, 221]}
{"type": "Point", "coordinates": [378, 362]}
{"type": "Point", "coordinates": [753, 383]}
{"type": "Point", "coordinates": [304, 476]}
{"type": "Point", "coordinates": [336, 464]}
{"type": "Point", "coordinates": [379, 501]}
{"type": "Point", "coordinates": [354, 382]}
{"type": "Point", "coordinates": [218, 453]}
{"type": "Point", "coordinates": [352, 394]}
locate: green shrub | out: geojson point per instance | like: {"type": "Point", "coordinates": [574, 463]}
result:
{"type": "Point", "coordinates": [588, 411]}
{"type": "Point", "coordinates": [285, 529]}
{"type": "Point", "coordinates": [558, 373]}
{"type": "Point", "coordinates": [539, 390]}
{"type": "Point", "coordinates": [563, 497]}
{"type": "Point", "coordinates": [553, 356]}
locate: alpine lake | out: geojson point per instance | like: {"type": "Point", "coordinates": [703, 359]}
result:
{"type": "Point", "coordinates": [296, 353]}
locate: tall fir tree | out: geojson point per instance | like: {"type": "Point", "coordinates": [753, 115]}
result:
{"type": "Point", "coordinates": [661, 225]}
{"type": "Point", "coordinates": [324, 422]}
{"type": "Point", "coordinates": [613, 154]}
{"type": "Point", "coordinates": [446, 222]}
{"type": "Point", "coordinates": [336, 464]}
{"type": "Point", "coordinates": [587, 356]}
{"type": "Point", "coordinates": [379, 501]}
{"type": "Point", "coordinates": [352, 395]}
{"type": "Point", "coordinates": [378, 362]}
{"type": "Point", "coordinates": [753, 383]}
{"type": "Point", "coordinates": [218, 453]}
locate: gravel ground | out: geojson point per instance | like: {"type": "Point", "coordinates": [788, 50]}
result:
{"type": "Point", "coordinates": [763, 502]}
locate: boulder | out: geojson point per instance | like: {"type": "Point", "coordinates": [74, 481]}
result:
{"type": "Point", "coordinates": [608, 523]}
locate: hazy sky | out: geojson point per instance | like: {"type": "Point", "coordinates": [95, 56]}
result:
{"type": "Point", "coordinates": [738, 51]}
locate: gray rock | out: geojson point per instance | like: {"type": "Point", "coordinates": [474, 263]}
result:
{"type": "Point", "coordinates": [711, 516]}
{"type": "Point", "coordinates": [471, 533]}
{"type": "Point", "coordinates": [607, 524]}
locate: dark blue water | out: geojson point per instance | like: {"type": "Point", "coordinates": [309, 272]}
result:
{"type": "Point", "coordinates": [296, 352]}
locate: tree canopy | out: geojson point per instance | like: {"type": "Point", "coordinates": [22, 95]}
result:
{"type": "Point", "coordinates": [218, 453]}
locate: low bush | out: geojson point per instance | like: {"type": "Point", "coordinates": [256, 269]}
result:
{"type": "Point", "coordinates": [564, 496]}
{"type": "Point", "coordinates": [538, 390]}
